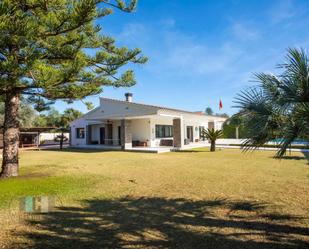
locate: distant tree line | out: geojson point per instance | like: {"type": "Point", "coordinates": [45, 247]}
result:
{"type": "Point", "coordinates": [234, 127]}
{"type": "Point", "coordinates": [52, 118]}
{"type": "Point", "coordinates": [28, 117]}
{"type": "Point", "coordinates": [27, 114]}
{"type": "Point", "coordinates": [209, 111]}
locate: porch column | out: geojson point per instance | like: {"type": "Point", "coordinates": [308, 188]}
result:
{"type": "Point", "coordinates": [178, 133]}
{"type": "Point", "coordinates": [126, 134]}
{"type": "Point", "coordinates": [88, 134]}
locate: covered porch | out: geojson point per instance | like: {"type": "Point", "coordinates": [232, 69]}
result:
{"type": "Point", "coordinates": [149, 133]}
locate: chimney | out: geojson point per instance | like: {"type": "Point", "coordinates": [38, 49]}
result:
{"type": "Point", "coordinates": [128, 97]}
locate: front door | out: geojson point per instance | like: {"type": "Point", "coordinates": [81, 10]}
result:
{"type": "Point", "coordinates": [102, 135]}
{"type": "Point", "coordinates": [190, 133]}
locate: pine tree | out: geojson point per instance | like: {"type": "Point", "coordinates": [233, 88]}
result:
{"type": "Point", "coordinates": [43, 56]}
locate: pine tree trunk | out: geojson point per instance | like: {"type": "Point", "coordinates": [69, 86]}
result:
{"type": "Point", "coordinates": [213, 146]}
{"type": "Point", "coordinates": [10, 136]}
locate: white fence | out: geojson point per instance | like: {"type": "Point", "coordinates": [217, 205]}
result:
{"type": "Point", "coordinates": [228, 141]}
{"type": "Point", "coordinates": [49, 137]}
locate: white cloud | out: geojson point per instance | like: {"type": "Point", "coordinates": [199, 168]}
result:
{"type": "Point", "coordinates": [191, 57]}
{"type": "Point", "coordinates": [244, 32]}
{"type": "Point", "coordinates": [284, 9]}
{"type": "Point", "coordinates": [133, 32]}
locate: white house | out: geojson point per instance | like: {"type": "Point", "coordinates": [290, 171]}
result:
{"type": "Point", "coordinates": [124, 124]}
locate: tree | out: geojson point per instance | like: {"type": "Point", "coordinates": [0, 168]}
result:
{"type": "Point", "coordinates": [278, 108]}
{"type": "Point", "coordinates": [209, 111]}
{"type": "Point", "coordinates": [212, 135]}
{"type": "Point", "coordinates": [70, 115]}
{"type": "Point", "coordinates": [44, 55]}
{"type": "Point", "coordinates": [223, 115]}
{"type": "Point", "coordinates": [234, 128]}
{"type": "Point", "coordinates": [51, 118]}
{"type": "Point", "coordinates": [67, 117]}
{"type": "Point", "coordinates": [40, 121]}
{"type": "Point", "coordinates": [60, 122]}
{"type": "Point", "coordinates": [89, 105]}
{"type": "Point", "coordinates": [27, 115]}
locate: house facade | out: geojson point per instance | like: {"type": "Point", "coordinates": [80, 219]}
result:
{"type": "Point", "coordinates": [124, 124]}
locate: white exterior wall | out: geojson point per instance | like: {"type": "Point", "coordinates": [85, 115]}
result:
{"type": "Point", "coordinates": [78, 123]}
{"type": "Point", "coordinates": [219, 125]}
{"type": "Point", "coordinates": [141, 129]}
{"type": "Point", "coordinates": [195, 123]}
{"type": "Point", "coordinates": [158, 120]}
{"type": "Point", "coordinates": [188, 120]}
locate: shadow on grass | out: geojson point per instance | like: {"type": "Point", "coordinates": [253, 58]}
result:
{"type": "Point", "coordinates": [306, 154]}
{"type": "Point", "coordinates": [305, 157]}
{"type": "Point", "coordinates": [163, 223]}
{"type": "Point", "coordinates": [293, 158]}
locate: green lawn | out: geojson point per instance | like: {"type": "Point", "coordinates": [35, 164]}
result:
{"type": "Point", "coordinates": [195, 199]}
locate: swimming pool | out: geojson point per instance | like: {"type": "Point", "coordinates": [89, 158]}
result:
{"type": "Point", "coordinates": [295, 142]}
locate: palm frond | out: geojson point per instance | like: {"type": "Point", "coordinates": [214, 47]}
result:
{"type": "Point", "coordinates": [279, 106]}
{"type": "Point", "coordinates": [212, 134]}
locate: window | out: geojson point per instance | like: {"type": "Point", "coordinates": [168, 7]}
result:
{"type": "Point", "coordinates": [80, 132]}
{"type": "Point", "coordinates": [201, 128]}
{"type": "Point", "coordinates": [164, 131]}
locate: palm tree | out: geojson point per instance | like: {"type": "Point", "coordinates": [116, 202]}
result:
{"type": "Point", "coordinates": [278, 108]}
{"type": "Point", "coordinates": [212, 135]}
{"type": "Point", "coordinates": [66, 118]}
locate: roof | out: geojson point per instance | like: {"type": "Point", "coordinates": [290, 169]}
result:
{"type": "Point", "coordinates": [152, 106]}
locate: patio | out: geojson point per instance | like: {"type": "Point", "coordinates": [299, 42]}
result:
{"type": "Point", "coordinates": [160, 149]}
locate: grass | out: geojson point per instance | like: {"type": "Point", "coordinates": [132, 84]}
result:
{"type": "Point", "coordinates": [193, 199]}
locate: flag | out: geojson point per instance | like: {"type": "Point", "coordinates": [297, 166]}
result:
{"type": "Point", "coordinates": [220, 105]}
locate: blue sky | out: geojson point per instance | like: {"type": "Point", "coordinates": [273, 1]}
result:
{"type": "Point", "coordinates": [201, 51]}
